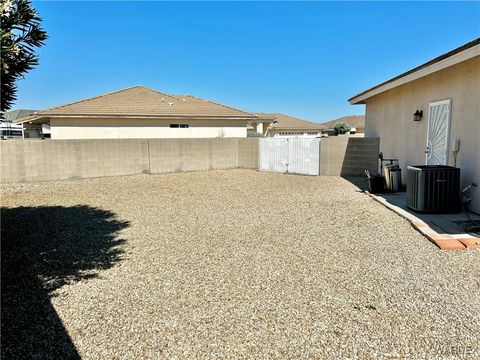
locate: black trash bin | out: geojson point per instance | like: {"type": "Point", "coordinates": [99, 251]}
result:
{"type": "Point", "coordinates": [377, 184]}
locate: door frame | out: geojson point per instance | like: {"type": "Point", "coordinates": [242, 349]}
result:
{"type": "Point", "coordinates": [449, 117]}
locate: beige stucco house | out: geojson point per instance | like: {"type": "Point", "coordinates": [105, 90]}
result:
{"type": "Point", "coordinates": [444, 95]}
{"type": "Point", "coordinates": [281, 125]}
{"type": "Point", "coordinates": [140, 112]}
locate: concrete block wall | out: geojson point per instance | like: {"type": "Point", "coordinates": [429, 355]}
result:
{"type": "Point", "coordinates": [177, 155]}
{"type": "Point", "coordinates": [248, 155]}
{"type": "Point", "coordinates": [346, 156]}
{"type": "Point", "coordinates": [37, 160]}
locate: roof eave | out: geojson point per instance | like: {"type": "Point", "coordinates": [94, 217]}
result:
{"type": "Point", "coordinates": [29, 118]}
{"type": "Point", "coordinates": [451, 58]}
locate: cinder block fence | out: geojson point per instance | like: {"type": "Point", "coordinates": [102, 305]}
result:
{"type": "Point", "coordinates": [344, 156]}
{"type": "Point", "coordinates": [37, 160]}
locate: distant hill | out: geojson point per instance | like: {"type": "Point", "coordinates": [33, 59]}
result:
{"type": "Point", "coordinates": [357, 121]}
{"type": "Point", "coordinates": [13, 115]}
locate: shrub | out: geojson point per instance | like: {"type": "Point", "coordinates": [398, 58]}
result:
{"type": "Point", "coordinates": [342, 127]}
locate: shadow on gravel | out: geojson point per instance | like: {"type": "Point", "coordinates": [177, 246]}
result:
{"type": "Point", "coordinates": [359, 181]}
{"type": "Point", "coordinates": [44, 248]}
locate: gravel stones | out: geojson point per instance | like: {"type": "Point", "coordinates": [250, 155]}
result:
{"type": "Point", "coordinates": [239, 263]}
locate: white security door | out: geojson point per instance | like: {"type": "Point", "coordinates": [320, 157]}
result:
{"type": "Point", "coordinates": [438, 132]}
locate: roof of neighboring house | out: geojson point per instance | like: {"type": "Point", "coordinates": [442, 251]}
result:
{"type": "Point", "coordinates": [357, 121]}
{"type": "Point", "coordinates": [289, 122]}
{"type": "Point", "coordinates": [17, 114]}
{"type": "Point", "coordinates": [141, 102]}
{"type": "Point", "coordinates": [455, 56]}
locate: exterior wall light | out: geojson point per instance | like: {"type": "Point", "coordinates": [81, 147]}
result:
{"type": "Point", "coordinates": [418, 115]}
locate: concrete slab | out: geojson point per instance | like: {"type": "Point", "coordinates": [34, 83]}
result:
{"type": "Point", "coordinates": [400, 200]}
{"type": "Point", "coordinates": [442, 229]}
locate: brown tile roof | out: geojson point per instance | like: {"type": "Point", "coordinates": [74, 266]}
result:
{"type": "Point", "coordinates": [357, 121]}
{"type": "Point", "coordinates": [140, 101]}
{"type": "Point", "coordinates": [290, 122]}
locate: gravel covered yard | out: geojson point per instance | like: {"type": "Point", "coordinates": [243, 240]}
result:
{"type": "Point", "coordinates": [225, 264]}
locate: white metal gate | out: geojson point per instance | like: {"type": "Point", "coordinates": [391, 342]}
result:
{"type": "Point", "coordinates": [438, 132]}
{"type": "Point", "coordinates": [292, 155]}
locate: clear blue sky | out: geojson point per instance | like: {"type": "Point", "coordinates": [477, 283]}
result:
{"type": "Point", "coordinates": [302, 59]}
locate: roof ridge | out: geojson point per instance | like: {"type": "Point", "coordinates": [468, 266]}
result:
{"type": "Point", "coordinates": [226, 106]}
{"type": "Point", "coordinates": [296, 118]}
{"type": "Point", "coordinates": [91, 98]}
{"type": "Point", "coordinates": [159, 92]}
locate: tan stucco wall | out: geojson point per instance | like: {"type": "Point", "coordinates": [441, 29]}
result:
{"type": "Point", "coordinates": [390, 116]}
{"type": "Point", "coordinates": [74, 128]}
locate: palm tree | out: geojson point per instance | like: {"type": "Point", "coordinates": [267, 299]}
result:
{"type": "Point", "coordinates": [20, 33]}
